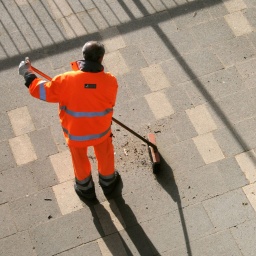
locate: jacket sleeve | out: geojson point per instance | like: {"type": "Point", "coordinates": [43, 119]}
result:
{"type": "Point", "coordinates": [47, 91]}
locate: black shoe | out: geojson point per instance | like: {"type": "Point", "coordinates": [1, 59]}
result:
{"type": "Point", "coordinates": [86, 194]}
{"type": "Point", "coordinates": [109, 189]}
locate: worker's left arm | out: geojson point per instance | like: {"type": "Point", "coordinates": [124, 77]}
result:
{"type": "Point", "coordinates": [47, 91]}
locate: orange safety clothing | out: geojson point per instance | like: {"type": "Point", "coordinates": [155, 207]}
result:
{"type": "Point", "coordinates": [104, 153]}
{"type": "Point", "coordinates": [86, 101]}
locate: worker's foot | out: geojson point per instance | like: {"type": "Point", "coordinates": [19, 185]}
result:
{"type": "Point", "coordinates": [107, 189]}
{"type": "Point", "coordinates": [86, 194]}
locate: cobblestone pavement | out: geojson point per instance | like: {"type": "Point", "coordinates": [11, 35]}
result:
{"type": "Point", "coordinates": [186, 71]}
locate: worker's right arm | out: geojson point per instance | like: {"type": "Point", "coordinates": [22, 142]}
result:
{"type": "Point", "coordinates": [39, 88]}
{"type": "Point", "coordinates": [47, 91]}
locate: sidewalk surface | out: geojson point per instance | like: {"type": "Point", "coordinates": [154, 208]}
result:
{"type": "Point", "coordinates": [187, 72]}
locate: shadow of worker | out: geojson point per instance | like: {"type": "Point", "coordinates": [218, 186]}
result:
{"type": "Point", "coordinates": [166, 179]}
{"type": "Point", "coordinates": [119, 228]}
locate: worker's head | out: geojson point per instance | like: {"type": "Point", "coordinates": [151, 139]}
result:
{"type": "Point", "coordinates": [93, 51]}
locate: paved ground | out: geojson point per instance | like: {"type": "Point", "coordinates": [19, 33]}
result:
{"type": "Point", "coordinates": [186, 71]}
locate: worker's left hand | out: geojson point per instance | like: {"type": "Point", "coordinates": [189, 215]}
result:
{"type": "Point", "coordinates": [25, 67]}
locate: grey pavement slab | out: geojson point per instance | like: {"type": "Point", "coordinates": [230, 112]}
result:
{"type": "Point", "coordinates": [34, 209]}
{"type": "Point", "coordinates": [43, 143]}
{"type": "Point", "coordinates": [232, 173]}
{"type": "Point", "coordinates": [64, 233]}
{"type": "Point", "coordinates": [43, 173]}
{"type": "Point", "coordinates": [17, 244]}
{"type": "Point", "coordinates": [83, 250]}
{"type": "Point", "coordinates": [234, 50]}
{"type": "Point", "coordinates": [5, 127]}
{"type": "Point", "coordinates": [16, 183]}
{"type": "Point", "coordinates": [7, 226]}
{"type": "Point", "coordinates": [6, 157]}
{"type": "Point", "coordinates": [221, 243]}
{"type": "Point", "coordinates": [229, 209]}
{"type": "Point", "coordinates": [200, 184]}
{"type": "Point", "coordinates": [244, 235]}
{"type": "Point", "coordinates": [209, 33]}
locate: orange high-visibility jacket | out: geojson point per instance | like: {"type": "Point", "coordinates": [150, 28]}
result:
{"type": "Point", "coordinates": [86, 102]}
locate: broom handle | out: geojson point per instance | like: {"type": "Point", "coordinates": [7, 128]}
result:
{"type": "Point", "coordinates": [115, 120]}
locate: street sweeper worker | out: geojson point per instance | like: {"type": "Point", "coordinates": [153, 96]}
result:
{"type": "Point", "coordinates": [86, 98]}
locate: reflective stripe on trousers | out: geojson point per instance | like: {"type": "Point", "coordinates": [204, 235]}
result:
{"type": "Point", "coordinates": [85, 184]}
{"type": "Point", "coordinates": [106, 180]}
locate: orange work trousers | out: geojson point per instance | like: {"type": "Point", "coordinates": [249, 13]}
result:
{"type": "Point", "coordinates": [104, 153]}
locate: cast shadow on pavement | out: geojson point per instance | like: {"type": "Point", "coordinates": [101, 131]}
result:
{"type": "Point", "coordinates": [166, 180]}
{"type": "Point", "coordinates": [133, 237]}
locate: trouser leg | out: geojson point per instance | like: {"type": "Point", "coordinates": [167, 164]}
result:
{"type": "Point", "coordinates": [82, 170]}
{"type": "Point", "coordinates": [104, 153]}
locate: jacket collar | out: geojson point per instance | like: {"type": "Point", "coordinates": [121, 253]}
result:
{"type": "Point", "coordinates": [89, 66]}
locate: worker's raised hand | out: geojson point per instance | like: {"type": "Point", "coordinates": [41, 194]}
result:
{"type": "Point", "coordinates": [25, 67]}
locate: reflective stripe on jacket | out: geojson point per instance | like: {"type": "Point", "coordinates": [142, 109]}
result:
{"type": "Point", "coordinates": [86, 102]}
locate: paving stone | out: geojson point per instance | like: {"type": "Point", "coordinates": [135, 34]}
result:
{"type": "Point", "coordinates": [229, 143]}
{"type": "Point", "coordinates": [98, 19]}
{"type": "Point", "coordinates": [182, 127]}
{"type": "Point", "coordinates": [234, 50]}
{"type": "Point", "coordinates": [22, 149]}
{"type": "Point", "coordinates": [183, 41]}
{"type": "Point", "coordinates": [62, 165]}
{"type": "Point", "coordinates": [111, 245]}
{"type": "Point", "coordinates": [109, 217]}
{"type": "Point", "coordinates": [244, 236]}
{"type": "Point", "coordinates": [137, 242]}
{"type": "Point", "coordinates": [232, 173]}
{"type": "Point", "coordinates": [67, 198]}
{"type": "Point", "coordinates": [6, 157]}
{"type": "Point", "coordinates": [216, 8]}
{"type": "Point", "coordinates": [133, 57]}
{"type": "Point", "coordinates": [84, 250]}
{"type": "Point", "coordinates": [247, 68]}
{"type": "Point", "coordinates": [5, 127]}
{"type": "Point", "coordinates": [112, 40]}
{"type": "Point", "coordinates": [189, 19]}
{"type": "Point", "coordinates": [178, 97]}
{"type": "Point", "coordinates": [221, 243]}
{"type": "Point", "coordinates": [160, 111]}
{"type": "Point", "coordinates": [17, 244]}
{"type": "Point", "coordinates": [208, 148]}
{"type": "Point", "coordinates": [43, 143]}
{"type": "Point", "coordinates": [247, 163]}
{"type": "Point", "coordinates": [200, 184]}
{"type": "Point", "coordinates": [214, 86]}
{"type": "Point", "coordinates": [132, 85]}
{"type": "Point", "coordinates": [155, 78]}
{"type": "Point", "coordinates": [110, 60]}
{"type": "Point", "coordinates": [16, 183]}
{"type": "Point", "coordinates": [184, 156]}
{"type": "Point", "coordinates": [7, 226]}
{"type": "Point", "coordinates": [60, 9]}
{"type": "Point", "coordinates": [238, 23]}
{"type": "Point", "coordinates": [35, 209]}
{"type": "Point", "coordinates": [249, 191]}
{"type": "Point", "coordinates": [201, 119]}
{"type": "Point", "coordinates": [72, 26]}
{"type": "Point", "coordinates": [64, 233]}
{"type": "Point", "coordinates": [235, 6]}
{"type": "Point", "coordinates": [229, 209]}
{"type": "Point", "coordinates": [183, 226]}
{"type": "Point", "coordinates": [211, 32]}
{"type": "Point", "coordinates": [189, 67]}
{"type": "Point", "coordinates": [43, 173]}
{"type": "Point", "coordinates": [59, 139]}
{"type": "Point", "coordinates": [250, 15]}
{"type": "Point", "coordinates": [135, 113]}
